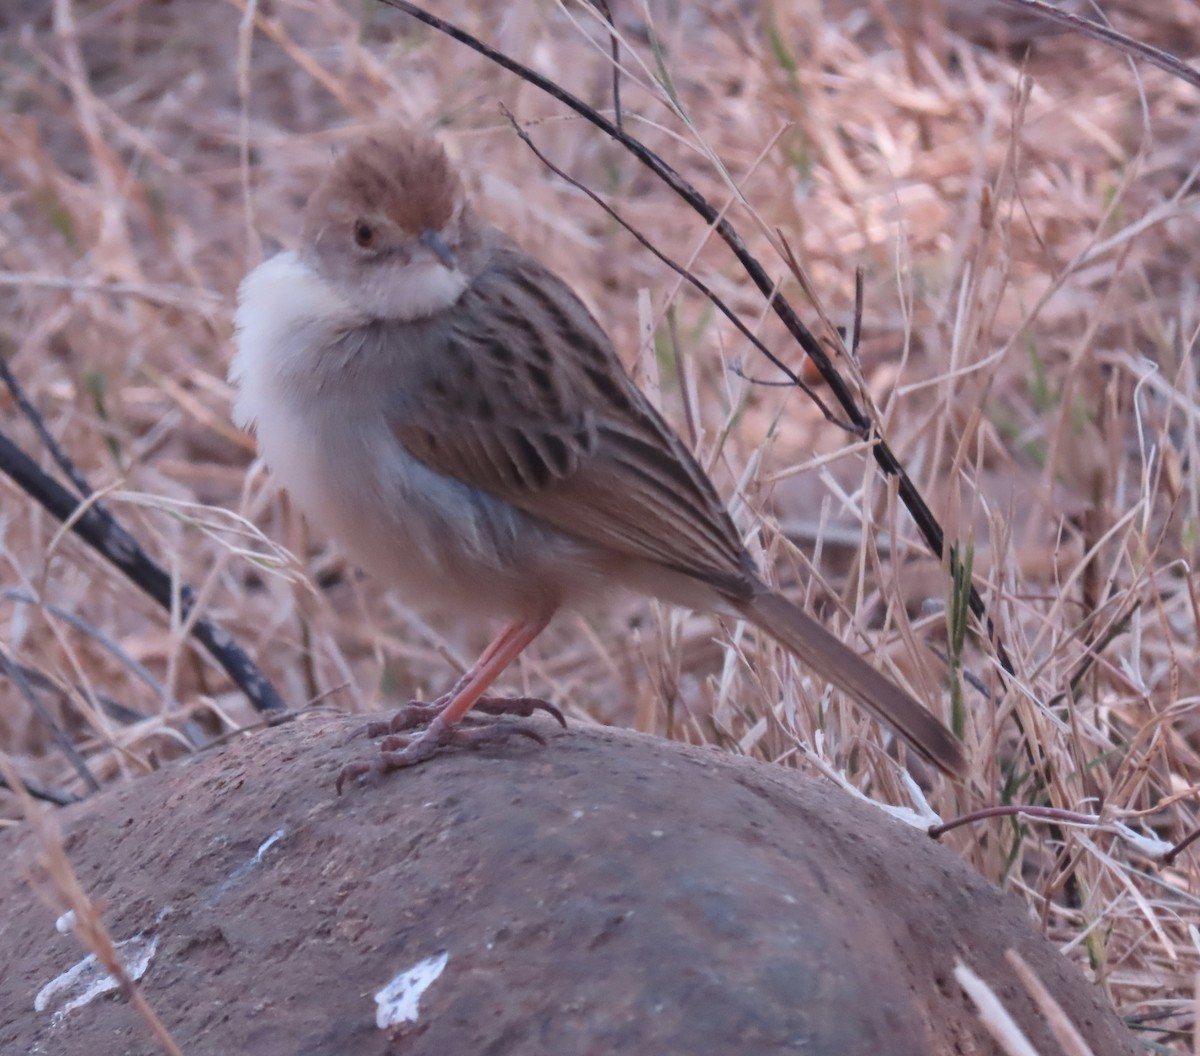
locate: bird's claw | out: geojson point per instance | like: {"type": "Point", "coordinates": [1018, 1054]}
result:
{"type": "Point", "coordinates": [417, 712]}
{"type": "Point", "coordinates": [397, 750]}
{"type": "Point", "coordinates": [522, 707]}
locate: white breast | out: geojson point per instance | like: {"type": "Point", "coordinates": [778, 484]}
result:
{"type": "Point", "coordinates": [280, 302]}
{"type": "Point", "coordinates": [442, 542]}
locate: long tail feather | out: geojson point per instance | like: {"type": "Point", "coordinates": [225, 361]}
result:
{"type": "Point", "coordinates": [834, 661]}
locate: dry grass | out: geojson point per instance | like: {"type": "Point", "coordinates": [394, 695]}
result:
{"type": "Point", "coordinates": [1032, 304]}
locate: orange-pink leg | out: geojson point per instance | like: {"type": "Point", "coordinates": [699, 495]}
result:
{"type": "Point", "coordinates": [467, 692]}
{"type": "Point", "coordinates": [416, 712]}
{"type": "Point", "coordinates": [505, 648]}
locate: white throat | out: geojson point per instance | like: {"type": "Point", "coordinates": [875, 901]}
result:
{"type": "Point", "coordinates": [277, 302]}
{"type": "Point", "coordinates": [415, 291]}
{"type": "Point", "coordinates": [287, 312]}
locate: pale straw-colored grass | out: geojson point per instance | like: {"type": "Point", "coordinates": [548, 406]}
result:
{"type": "Point", "coordinates": [1027, 234]}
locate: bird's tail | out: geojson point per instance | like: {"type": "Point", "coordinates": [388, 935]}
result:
{"type": "Point", "coordinates": [834, 661]}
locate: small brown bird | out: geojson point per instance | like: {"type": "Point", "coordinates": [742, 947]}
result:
{"type": "Point", "coordinates": [448, 409]}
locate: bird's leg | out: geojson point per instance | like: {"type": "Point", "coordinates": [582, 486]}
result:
{"type": "Point", "coordinates": [398, 751]}
{"type": "Point", "coordinates": [417, 712]}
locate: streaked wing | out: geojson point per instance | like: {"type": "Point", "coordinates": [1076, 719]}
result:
{"type": "Point", "coordinates": [564, 435]}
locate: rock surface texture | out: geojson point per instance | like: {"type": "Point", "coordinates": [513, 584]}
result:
{"type": "Point", "coordinates": [609, 893]}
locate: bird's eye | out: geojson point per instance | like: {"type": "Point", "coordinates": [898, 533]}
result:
{"type": "Point", "coordinates": [364, 233]}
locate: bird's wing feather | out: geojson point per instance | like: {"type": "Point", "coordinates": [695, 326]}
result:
{"type": "Point", "coordinates": [566, 438]}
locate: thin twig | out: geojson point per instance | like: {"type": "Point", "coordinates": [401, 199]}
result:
{"type": "Point", "coordinates": [859, 296]}
{"type": "Point", "coordinates": [104, 534]}
{"type": "Point", "coordinates": [1106, 34]}
{"type": "Point", "coordinates": [1011, 810]}
{"type": "Point", "coordinates": [47, 795]}
{"type": "Point", "coordinates": [15, 672]}
{"type": "Point", "coordinates": [861, 424]}
{"type": "Point", "coordinates": [44, 683]}
{"type": "Point", "coordinates": [794, 380]}
{"type": "Point", "coordinates": [98, 636]}
{"type": "Point", "coordinates": [70, 470]}
{"type": "Point", "coordinates": [615, 45]}
{"type": "Point", "coordinates": [1180, 847]}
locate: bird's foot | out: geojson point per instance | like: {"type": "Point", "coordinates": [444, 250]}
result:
{"type": "Point", "coordinates": [418, 712]}
{"type": "Point", "coordinates": [414, 713]}
{"type": "Point", "coordinates": [397, 750]}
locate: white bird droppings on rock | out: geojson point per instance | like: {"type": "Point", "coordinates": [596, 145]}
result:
{"type": "Point", "coordinates": [397, 1002]}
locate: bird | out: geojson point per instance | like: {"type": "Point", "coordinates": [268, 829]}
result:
{"type": "Point", "coordinates": [445, 406]}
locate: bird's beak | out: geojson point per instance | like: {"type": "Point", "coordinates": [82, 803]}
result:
{"type": "Point", "coordinates": [434, 242]}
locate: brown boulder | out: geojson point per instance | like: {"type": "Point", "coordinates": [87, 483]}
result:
{"type": "Point", "coordinates": [607, 893]}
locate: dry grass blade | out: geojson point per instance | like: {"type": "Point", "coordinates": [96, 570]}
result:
{"type": "Point", "coordinates": [1025, 226]}
{"type": "Point", "coordinates": [994, 1016]}
{"type": "Point", "coordinates": [58, 882]}
{"type": "Point", "coordinates": [1065, 1032]}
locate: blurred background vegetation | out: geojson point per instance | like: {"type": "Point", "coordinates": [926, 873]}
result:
{"type": "Point", "coordinates": [1022, 204]}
